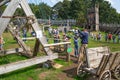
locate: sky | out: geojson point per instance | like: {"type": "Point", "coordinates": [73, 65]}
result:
{"type": "Point", "coordinates": [115, 3]}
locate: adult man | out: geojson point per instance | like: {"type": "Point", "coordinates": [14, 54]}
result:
{"type": "Point", "coordinates": [84, 42]}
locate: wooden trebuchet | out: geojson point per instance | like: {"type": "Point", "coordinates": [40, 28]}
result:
{"type": "Point", "coordinates": [26, 63]}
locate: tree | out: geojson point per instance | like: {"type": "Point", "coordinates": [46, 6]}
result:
{"type": "Point", "coordinates": [65, 10]}
{"type": "Point", "coordinates": [78, 10]}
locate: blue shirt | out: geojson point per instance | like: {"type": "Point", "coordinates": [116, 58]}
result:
{"type": "Point", "coordinates": [84, 37]}
{"type": "Point", "coordinates": [76, 43]}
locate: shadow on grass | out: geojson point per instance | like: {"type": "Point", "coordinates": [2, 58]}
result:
{"type": "Point", "coordinates": [24, 70]}
{"type": "Point", "coordinates": [72, 73]}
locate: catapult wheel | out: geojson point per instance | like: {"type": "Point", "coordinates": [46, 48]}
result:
{"type": "Point", "coordinates": [106, 75]}
{"type": "Point", "coordinates": [117, 72]}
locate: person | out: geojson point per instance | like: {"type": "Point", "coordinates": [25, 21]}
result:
{"type": "Point", "coordinates": [119, 37]}
{"type": "Point", "coordinates": [76, 46]}
{"type": "Point", "coordinates": [109, 37]}
{"type": "Point", "coordinates": [84, 43]}
{"type": "Point", "coordinates": [24, 33]}
{"type": "Point", "coordinates": [114, 38]}
{"type": "Point", "coordinates": [106, 37]}
{"type": "Point", "coordinates": [50, 31]}
{"type": "Point", "coordinates": [1, 43]}
{"type": "Point", "coordinates": [99, 37]}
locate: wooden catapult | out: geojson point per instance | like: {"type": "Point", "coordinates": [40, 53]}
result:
{"type": "Point", "coordinates": [5, 23]}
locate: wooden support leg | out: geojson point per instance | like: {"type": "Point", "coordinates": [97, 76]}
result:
{"type": "Point", "coordinates": [36, 48]}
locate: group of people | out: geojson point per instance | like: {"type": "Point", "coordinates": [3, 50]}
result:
{"type": "Point", "coordinates": [54, 33]}
{"type": "Point", "coordinates": [108, 37]}
{"type": "Point", "coordinates": [83, 35]}
{"type": "Point", "coordinates": [114, 38]}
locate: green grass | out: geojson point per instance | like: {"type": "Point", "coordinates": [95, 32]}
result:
{"type": "Point", "coordinates": [34, 72]}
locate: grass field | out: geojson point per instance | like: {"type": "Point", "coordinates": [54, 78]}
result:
{"type": "Point", "coordinates": [35, 72]}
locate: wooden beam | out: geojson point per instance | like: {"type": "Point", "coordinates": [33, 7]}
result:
{"type": "Point", "coordinates": [55, 44]}
{"type": "Point", "coordinates": [10, 51]}
{"type": "Point", "coordinates": [9, 11]}
{"type": "Point", "coordinates": [26, 63]}
{"type": "Point", "coordinates": [14, 17]}
{"type": "Point", "coordinates": [29, 38]}
{"type": "Point", "coordinates": [4, 2]}
{"type": "Point", "coordinates": [36, 48]}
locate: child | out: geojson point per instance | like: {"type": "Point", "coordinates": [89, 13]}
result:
{"type": "Point", "coordinates": [76, 46]}
{"type": "Point", "coordinates": [1, 43]}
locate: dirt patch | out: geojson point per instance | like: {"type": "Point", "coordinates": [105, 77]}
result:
{"type": "Point", "coordinates": [43, 75]}
{"type": "Point", "coordinates": [63, 76]}
{"type": "Point", "coordinates": [30, 78]}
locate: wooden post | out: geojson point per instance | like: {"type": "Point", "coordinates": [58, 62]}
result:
{"type": "Point", "coordinates": [97, 17]}
{"type": "Point", "coordinates": [36, 48]}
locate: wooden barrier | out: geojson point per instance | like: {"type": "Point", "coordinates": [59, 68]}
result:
{"type": "Point", "coordinates": [29, 38]}
{"type": "Point", "coordinates": [55, 44]}
{"type": "Point", "coordinates": [61, 43]}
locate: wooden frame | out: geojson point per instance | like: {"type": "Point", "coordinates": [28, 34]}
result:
{"type": "Point", "coordinates": [4, 22]}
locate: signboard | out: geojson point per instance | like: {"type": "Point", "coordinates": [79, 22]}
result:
{"type": "Point", "coordinates": [38, 34]}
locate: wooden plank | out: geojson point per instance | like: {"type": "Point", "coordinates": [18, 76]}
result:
{"type": "Point", "coordinates": [95, 63]}
{"type": "Point", "coordinates": [95, 55]}
{"type": "Point", "coordinates": [3, 2]}
{"type": "Point", "coordinates": [36, 48]}
{"type": "Point", "coordinates": [29, 38]}
{"type": "Point", "coordinates": [101, 65]}
{"type": "Point", "coordinates": [11, 51]}
{"type": "Point", "coordinates": [104, 64]}
{"type": "Point", "coordinates": [26, 63]}
{"type": "Point", "coordinates": [113, 61]}
{"type": "Point", "coordinates": [102, 50]}
{"type": "Point", "coordinates": [9, 11]}
{"type": "Point", "coordinates": [56, 44]}
{"type": "Point", "coordinates": [116, 61]}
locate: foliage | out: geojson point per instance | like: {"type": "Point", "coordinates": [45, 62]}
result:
{"type": "Point", "coordinates": [78, 10]}
{"type": "Point", "coordinates": [65, 10]}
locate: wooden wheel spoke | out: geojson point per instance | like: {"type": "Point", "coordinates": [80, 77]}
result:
{"type": "Point", "coordinates": [117, 72]}
{"type": "Point", "coordinates": [106, 75]}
